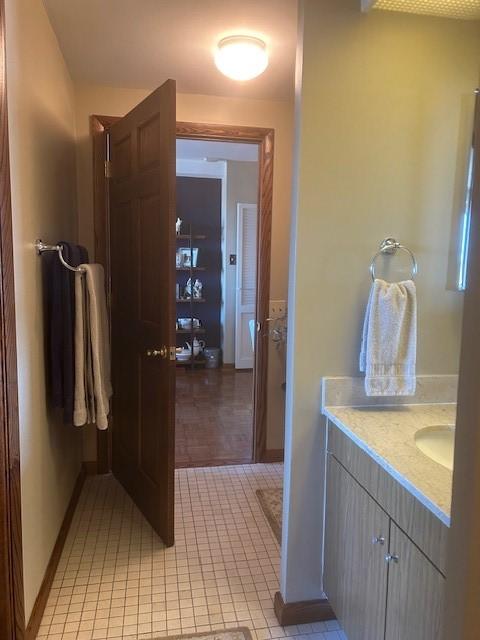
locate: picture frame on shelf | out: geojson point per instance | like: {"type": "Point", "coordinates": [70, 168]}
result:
{"type": "Point", "coordinates": [188, 257]}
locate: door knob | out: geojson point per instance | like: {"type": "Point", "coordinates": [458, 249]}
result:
{"type": "Point", "coordinates": [157, 353]}
{"type": "Point", "coordinates": [378, 540]}
{"type": "Point", "coordinates": [391, 557]}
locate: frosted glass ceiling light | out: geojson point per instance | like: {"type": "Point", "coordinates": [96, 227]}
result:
{"type": "Point", "coordinates": [241, 57]}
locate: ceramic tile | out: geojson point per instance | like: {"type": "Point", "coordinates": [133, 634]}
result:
{"type": "Point", "coordinates": [115, 578]}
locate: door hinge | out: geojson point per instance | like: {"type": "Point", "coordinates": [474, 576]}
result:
{"type": "Point", "coordinates": [108, 169]}
{"type": "Point", "coordinates": [173, 353]}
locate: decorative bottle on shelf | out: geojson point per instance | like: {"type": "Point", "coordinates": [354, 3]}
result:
{"type": "Point", "coordinates": [197, 289]}
{"type": "Point", "coordinates": [187, 293]}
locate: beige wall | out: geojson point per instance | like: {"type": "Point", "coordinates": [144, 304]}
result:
{"type": "Point", "coordinates": [42, 152]}
{"type": "Point", "coordinates": [218, 110]}
{"type": "Point", "coordinates": [380, 114]}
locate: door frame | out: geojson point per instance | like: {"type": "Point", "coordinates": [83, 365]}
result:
{"type": "Point", "coordinates": [12, 613]}
{"type": "Point", "coordinates": [463, 560]}
{"type": "Point", "coordinates": [264, 138]}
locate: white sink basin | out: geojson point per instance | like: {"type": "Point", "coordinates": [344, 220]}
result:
{"type": "Point", "coordinates": [438, 443]}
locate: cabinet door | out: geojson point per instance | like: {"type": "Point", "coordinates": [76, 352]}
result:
{"type": "Point", "coordinates": [415, 592]}
{"type": "Point", "coordinates": [355, 571]}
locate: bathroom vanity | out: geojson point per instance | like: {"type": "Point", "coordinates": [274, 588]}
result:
{"type": "Point", "coordinates": [387, 521]}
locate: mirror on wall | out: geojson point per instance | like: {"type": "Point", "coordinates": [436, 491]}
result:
{"type": "Point", "coordinates": [465, 220]}
{"type": "Point", "coordinates": [462, 203]}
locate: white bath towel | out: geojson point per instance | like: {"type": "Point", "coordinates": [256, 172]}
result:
{"type": "Point", "coordinates": [389, 339]}
{"type": "Point", "coordinates": [84, 400]}
{"type": "Point", "coordinates": [92, 349]}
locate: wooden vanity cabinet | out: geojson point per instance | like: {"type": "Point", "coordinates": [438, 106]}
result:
{"type": "Point", "coordinates": [356, 541]}
{"type": "Point", "coordinates": [380, 585]}
{"type": "Point", "coordinates": [415, 592]}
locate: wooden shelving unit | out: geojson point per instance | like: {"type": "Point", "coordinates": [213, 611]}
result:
{"type": "Point", "coordinates": [186, 236]}
{"type": "Point", "coordinates": [194, 331]}
{"type": "Point", "coordinates": [193, 269]}
{"type": "Point", "coordinates": [193, 361]}
{"type": "Point", "coordinates": [187, 300]}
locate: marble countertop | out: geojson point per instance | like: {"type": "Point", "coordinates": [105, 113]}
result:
{"type": "Point", "coordinates": [386, 433]}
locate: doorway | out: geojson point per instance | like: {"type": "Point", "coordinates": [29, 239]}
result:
{"type": "Point", "coordinates": [263, 139]}
{"type": "Point", "coordinates": [133, 146]}
{"type": "Point", "coordinates": [216, 284]}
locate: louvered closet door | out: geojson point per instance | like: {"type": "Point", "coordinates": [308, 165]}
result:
{"type": "Point", "coordinates": [245, 312]}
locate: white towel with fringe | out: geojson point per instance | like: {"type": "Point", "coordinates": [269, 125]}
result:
{"type": "Point", "coordinates": [389, 339]}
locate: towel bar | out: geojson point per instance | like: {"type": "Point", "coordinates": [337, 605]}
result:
{"type": "Point", "coordinates": [41, 247]}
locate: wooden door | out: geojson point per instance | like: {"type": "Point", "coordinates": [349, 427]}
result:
{"type": "Point", "coordinates": [355, 571]}
{"type": "Point", "coordinates": [245, 308]}
{"type": "Point", "coordinates": [142, 237]}
{"type": "Point", "coordinates": [415, 592]}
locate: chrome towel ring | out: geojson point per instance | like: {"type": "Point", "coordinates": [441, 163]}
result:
{"type": "Point", "coordinates": [391, 246]}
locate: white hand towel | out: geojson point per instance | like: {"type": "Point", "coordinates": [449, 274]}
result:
{"type": "Point", "coordinates": [84, 400]}
{"type": "Point", "coordinates": [389, 339]}
{"type": "Point", "coordinates": [80, 397]}
{"type": "Point", "coordinates": [90, 395]}
{"type": "Point", "coordinates": [97, 321]}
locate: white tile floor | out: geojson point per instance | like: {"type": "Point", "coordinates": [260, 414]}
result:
{"type": "Point", "coordinates": [116, 580]}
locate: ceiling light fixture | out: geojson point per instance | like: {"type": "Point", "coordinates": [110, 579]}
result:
{"type": "Point", "coordinates": [241, 57]}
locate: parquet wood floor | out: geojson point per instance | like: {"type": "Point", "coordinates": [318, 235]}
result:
{"type": "Point", "coordinates": [214, 417]}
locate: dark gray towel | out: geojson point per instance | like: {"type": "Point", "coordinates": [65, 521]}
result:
{"type": "Point", "coordinates": [60, 325]}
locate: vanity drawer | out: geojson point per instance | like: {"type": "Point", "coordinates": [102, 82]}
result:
{"type": "Point", "coordinates": [427, 531]}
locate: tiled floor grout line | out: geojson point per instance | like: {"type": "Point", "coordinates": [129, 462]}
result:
{"type": "Point", "coordinates": [116, 580]}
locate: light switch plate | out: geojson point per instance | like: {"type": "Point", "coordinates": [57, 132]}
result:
{"type": "Point", "coordinates": [278, 309]}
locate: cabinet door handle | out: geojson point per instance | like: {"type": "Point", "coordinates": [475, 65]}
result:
{"type": "Point", "coordinates": [391, 557]}
{"type": "Point", "coordinates": [378, 540]}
